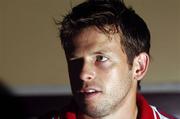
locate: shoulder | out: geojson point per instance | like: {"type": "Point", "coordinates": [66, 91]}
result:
{"type": "Point", "coordinates": [160, 114]}
{"type": "Point", "coordinates": [50, 115]}
{"type": "Point", "coordinates": [67, 112]}
{"type": "Point", "coordinates": [146, 111]}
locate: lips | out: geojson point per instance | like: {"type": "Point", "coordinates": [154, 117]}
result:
{"type": "Point", "coordinates": [90, 92]}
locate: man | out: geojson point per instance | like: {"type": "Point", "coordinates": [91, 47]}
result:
{"type": "Point", "coordinates": [107, 50]}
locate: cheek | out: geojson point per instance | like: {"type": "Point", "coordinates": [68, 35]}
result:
{"type": "Point", "coordinates": [74, 71]}
{"type": "Point", "coordinates": [108, 73]}
{"type": "Point", "coordinates": [113, 74]}
{"type": "Point", "coordinates": [117, 83]}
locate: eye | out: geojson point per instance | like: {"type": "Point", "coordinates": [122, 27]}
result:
{"type": "Point", "coordinates": [101, 58]}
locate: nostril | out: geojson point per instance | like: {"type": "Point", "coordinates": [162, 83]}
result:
{"type": "Point", "coordinates": [88, 75]}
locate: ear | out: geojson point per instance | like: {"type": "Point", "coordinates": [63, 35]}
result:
{"type": "Point", "coordinates": [140, 66]}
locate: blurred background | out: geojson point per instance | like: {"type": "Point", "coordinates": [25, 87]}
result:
{"type": "Point", "coordinates": [32, 63]}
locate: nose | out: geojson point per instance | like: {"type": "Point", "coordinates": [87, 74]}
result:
{"type": "Point", "coordinates": [87, 72]}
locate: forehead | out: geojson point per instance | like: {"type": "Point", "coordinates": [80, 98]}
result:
{"type": "Point", "coordinates": [92, 38]}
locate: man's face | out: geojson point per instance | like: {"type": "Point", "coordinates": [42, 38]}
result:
{"type": "Point", "coordinates": [99, 74]}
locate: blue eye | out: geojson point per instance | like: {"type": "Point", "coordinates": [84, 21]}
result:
{"type": "Point", "coordinates": [101, 58]}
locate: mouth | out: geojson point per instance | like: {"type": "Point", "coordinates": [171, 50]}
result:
{"type": "Point", "coordinates": [90, 93]}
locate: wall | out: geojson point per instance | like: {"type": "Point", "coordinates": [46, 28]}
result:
{"type": "Point", "coordinates": [31, 57]}
{"type": "Point", "coordinates": [1, 33]}
{"type": "Point", "coordinates": [163, 18]}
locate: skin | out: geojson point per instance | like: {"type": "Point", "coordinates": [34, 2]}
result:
{"type": "Point", "coordinates": [99, 63]}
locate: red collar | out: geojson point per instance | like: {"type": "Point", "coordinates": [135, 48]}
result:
{"type": "Point", "coordinates": [144, 110]}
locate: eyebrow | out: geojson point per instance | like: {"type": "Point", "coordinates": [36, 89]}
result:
{"type": "Point", "coordinates": [95, 52]}
{"type": "Point", "coordinates": [103, 51]}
